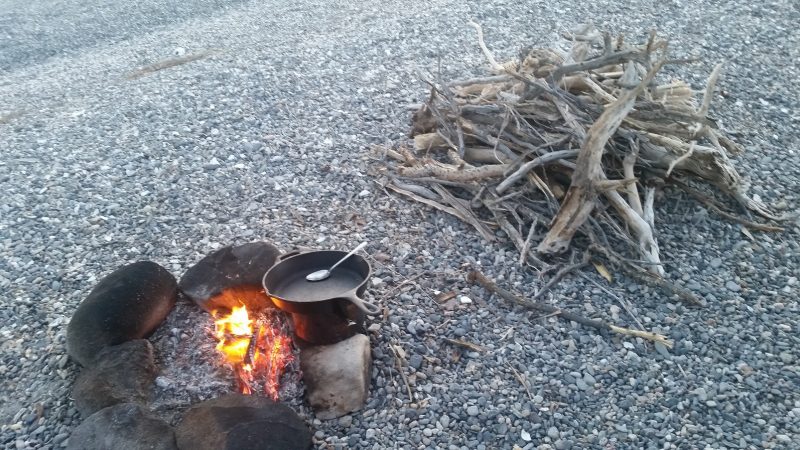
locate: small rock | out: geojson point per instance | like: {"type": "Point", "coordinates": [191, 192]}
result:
{"type": "Point", "coordinates": [125, 426]}
{"type": "Point", "coordinates": [715, 263]}
{"type": "Point", "coordinates": [415, 361]}
{"type": "Point", "coordinates": [464, 300]}
{"type": "Point", "coordinates": [733, 286]}
{"type": "Point", "coordinates": [130, 303]}
{"type": "Point", "coordinates": [212, 282]}
{"type": "Point", "coordinates": [473, 410]}
{"type": "Point", "coordinates": [120, 374]}
{"type": "Point", "coordinates": [242, 422]}
{"type": "Point", "coordinates": [662, 349]}
{"type": "Point", "coordinates": [553, 433]}
{"type": "Point", "coordinates": [212, 164]}
{"type": "Point", "coordinates": [337, 376]}
{"type": "Point", "coordinates": [445, 421]}
{"type": "Point", "coordinates": [163, 382]}
{"type": "Point", "coordinates": [345, 421]}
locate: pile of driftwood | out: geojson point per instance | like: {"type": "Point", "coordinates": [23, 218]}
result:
{"type": "Point", "coordinates": [556, 147]}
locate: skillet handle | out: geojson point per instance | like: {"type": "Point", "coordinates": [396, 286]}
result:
{"type": "Point", "coordinates": [368, 307]}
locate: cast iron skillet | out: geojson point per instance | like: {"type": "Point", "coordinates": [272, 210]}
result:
{"type": "Point", "coordinates": [285, 283]}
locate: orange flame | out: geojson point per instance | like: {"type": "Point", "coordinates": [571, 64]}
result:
{"type": "Point", "coordinates": [253, 355]}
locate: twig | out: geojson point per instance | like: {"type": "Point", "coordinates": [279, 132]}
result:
{"type": "Point", "coordinates": [466, 344]}
{"type": "Point", "coordinates": [476, 277]}
{"type": "Point", "coordinates": [527, 246]}
{"type": "Point", "coordinates": [521, 380]}
{"type": "Point", "coordinates": [713, 206]}
{"type": "Point", "coordinates": [560, 274]}
{"type": "Point", "coordinates": [489, 57]}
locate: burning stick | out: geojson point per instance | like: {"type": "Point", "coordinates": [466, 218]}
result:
{"type": "Point", "coordinates": [252, 346]}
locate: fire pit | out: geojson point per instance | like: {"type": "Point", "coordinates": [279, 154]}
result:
{"type": "Point", "coordinates": [241, 342]}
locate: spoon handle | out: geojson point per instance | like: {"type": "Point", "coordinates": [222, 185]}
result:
{"type": "Point", "coordinates": [360, 246]}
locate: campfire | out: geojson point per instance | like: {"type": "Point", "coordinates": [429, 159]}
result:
{"type": "Point", "coordinates": [258, 348]}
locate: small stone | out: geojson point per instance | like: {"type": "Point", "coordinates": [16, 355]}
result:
{"type": "Point", "coordinates": [464, 300]}
{"type": "Point", "coordinates": [130, 303]}
{"type": "Point", "coordinates": [337, 376]}
{"type": "Point", "coordinates": [701, 394]}
{"type": "Point", "coordinates": [120, 374]}
{"type": "Point", "coordinates": [732, 286]}
{"type": "Point", "coordinates": [662, 349]}
{"type": "Point", "coordinates": [553, 433]}
{"type": "Point", "coordinates": [346, 421]}
{"type": "Point", "coordinates": [364, 193]}
{"type": "Point", "coordinates": [715, 263]}
{"type": "Point", "coordinates": [444, 420]}
{"type": "Point", "coordinates": [163, 382]}
{"type": "Point", "coordinates": [122, 426]}
{"type": "Point", "coordinates": [370, 434]}
{"type": "Point", "coordinates": [240, 422]}
{"type": "Point", "coordinates": [415, 361]}
{"type": "Point", "coordinates": [473, 410]}
{"type": "Point", "coordinates": [212, 164]}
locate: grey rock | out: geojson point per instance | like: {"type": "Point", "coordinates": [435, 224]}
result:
{"type": "Point", "coordinates": [130, 303]}
{"type": "Point", "coordinates": [732, 286]}
{"type": "Point", "coordinates": [212, 282]}
{"type": "Point", "coordinates": [125, 426]}
{"type": "Point", "coordinates": [337, 376]}
{"type": "Point", "coordinates": [415, 361]}
{"type": "Point", "coordinates": [242, 422]}
{"type": "Point", "coordinates": [473, 410]}
{"type": "Point", "coordinates": [120, 374]}
{"type": "Point", "coordinates": [553, 433]}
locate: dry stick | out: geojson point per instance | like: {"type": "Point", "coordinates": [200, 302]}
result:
{"type": "Point", "coordinates": [597, 63]}
{"type": "Point", "coordinates": [477, 277]}
{"type": "Point", "coordinates": [681, 158]}
{"type": "Point", "coordinates": [492, 62]}
{"type": "Point", "coordinates": [167, 63]}
{"type": "Point", "coordinates": [713, 206]}
{"type": "Point", "coordinates": [521, 380]}
{"type": "Point", "coordinates": [648, 246]}
{"type": "Point", "coordinates": [427, 201]}
{"type": "Point", "coordinates": [465, 344]}
{"type": "Point", "coordinates": [647, 277]}
{"type": "Point", "coordinates": [627, 169]}
{"type": "Point", "coordinates": [453, 174]}
{"type": "Point", "coordinates": [709, 92]}
{"type": "Point", "coordinates": [527, 246]}
{"type": "Point", "coordinates": [465, 212]}
{"type": "Point", "coordinates": [536, 162]}
{"type": "Point", "coordinates": [559, 275]}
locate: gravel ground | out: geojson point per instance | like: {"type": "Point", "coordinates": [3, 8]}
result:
{"type": "Point", "coordinates": [270, 138]}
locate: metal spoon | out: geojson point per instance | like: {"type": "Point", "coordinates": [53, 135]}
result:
{"type": "Point", "coordinates": [320, 275]}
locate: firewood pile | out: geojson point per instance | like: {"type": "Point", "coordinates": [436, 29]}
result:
{"type": "Point", "coordinates": [570, 150]}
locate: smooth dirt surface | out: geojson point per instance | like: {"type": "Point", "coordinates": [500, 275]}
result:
{"type": "Point", "coordinates": [270, 137]}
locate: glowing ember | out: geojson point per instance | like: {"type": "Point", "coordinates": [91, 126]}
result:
{"type": "Point", "coordinates": [259, 349]}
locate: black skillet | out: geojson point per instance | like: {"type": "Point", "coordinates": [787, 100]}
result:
{"type": "Point", "coordinates": [285, 283]}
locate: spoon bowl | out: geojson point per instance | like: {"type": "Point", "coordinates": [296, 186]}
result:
{"type": "Point", "coordinates": [320, 275]}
